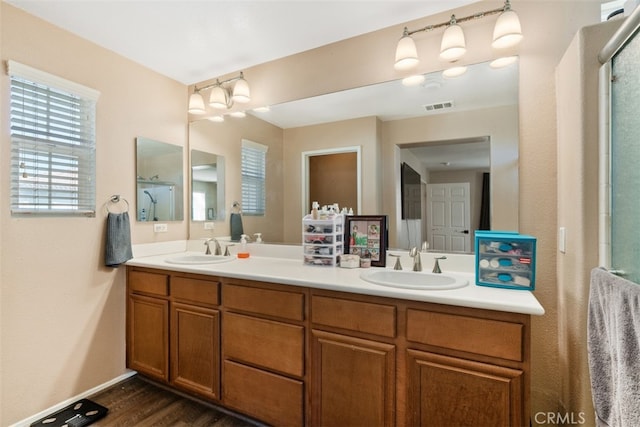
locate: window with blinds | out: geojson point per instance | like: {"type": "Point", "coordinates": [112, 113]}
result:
{"type": "Point", "coordinates": [53, 148]}
{"type": "Point", "coordinates": [254, 164]}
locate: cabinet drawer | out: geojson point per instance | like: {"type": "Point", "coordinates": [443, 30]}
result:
{"type": "Point", "coordinates": [358, 316]}
{"type": "Point", "coordinates": [265, 343]}
{"type": "Point", "coordinates": [271, 398]}
{"type": "Point", "coordinates": [148, 283]}
{"type": "Point", "coordinates": [480, 336]}
{"type": "Point", "coordinates": [195, 290]}
{"type": "Point", "coordinates": [269, 302]}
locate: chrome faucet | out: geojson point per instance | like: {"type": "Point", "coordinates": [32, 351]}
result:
{"type": "Point", "coordinates": [436, 267]}
{"type": "Point", "coordinates": [398, 265]}
{"type": "Point", "coordinates": [218, 249]}
{"type": "Point", "coordinates": [417, 262]}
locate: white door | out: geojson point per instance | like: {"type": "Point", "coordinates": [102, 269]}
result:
{"type": "Point", "coordinates": [448, 217]}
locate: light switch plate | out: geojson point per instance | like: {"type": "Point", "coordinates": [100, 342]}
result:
{"type": "Point", "coordinates": [209, 225]}
{"type": "Point", "coordinates": [562, 240]}
{"type": "Point", "coordinates": [160, 228]}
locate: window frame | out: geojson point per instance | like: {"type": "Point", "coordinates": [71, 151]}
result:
{"type": "Point", "coordinates": [53, 144]}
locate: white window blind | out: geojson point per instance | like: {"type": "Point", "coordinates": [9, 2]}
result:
{"type": "Point", "coordinates": [53, 148]}
{"type": "Point", "coordinates": [254, 162]}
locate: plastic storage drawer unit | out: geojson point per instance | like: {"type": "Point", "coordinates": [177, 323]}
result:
{"type": "Point", "coordinates": [505, 260]}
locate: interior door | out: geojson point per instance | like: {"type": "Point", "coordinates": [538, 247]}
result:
{"type": "Point", "coordinates": [625, 157]}
{"type": "Point", "coordinates": [448, 217]}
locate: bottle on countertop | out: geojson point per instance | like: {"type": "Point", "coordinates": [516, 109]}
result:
{"type": "Point", "coordinates": [243, 252]}
{"type": "Point", "coordinates": [314, 210]}
{"type": "Point", "coordinates": [258, 237]}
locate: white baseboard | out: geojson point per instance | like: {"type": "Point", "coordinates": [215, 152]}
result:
{"type": "Point", "coordinates": [28, 421]}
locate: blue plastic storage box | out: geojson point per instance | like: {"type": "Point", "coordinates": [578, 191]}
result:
{"type": "Point", "coordinates": [505, 259]}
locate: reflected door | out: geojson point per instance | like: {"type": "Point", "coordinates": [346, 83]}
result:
{"type": "Point", "coordinates": [625, 158]}
{"type": "Point", "coordinates": [448, 217]}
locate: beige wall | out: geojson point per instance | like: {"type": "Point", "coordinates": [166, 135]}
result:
{"type": "Point", "coordinates": [578, 131]}
{"type": "Point", "coordinates": [63, 312]}
{"type": "Point", "coordinates": [225, 139]}
{"type": "Point", "coordinates": [63, 323]}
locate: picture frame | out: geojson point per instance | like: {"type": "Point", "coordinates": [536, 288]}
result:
{"type": "Point", "coordinates": [366, 236]}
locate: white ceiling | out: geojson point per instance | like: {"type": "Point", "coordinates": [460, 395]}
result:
{"type": "Point", "coordinates": [195, 40]}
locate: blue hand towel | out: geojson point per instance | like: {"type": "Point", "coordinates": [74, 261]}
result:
{"type": "Point", "coordinates": [118, 245]}
{"type": "Point", "coordinates": [236, 226]}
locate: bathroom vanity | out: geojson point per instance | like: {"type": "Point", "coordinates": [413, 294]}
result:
{"type": "Point", "coordinates": [289, 344]}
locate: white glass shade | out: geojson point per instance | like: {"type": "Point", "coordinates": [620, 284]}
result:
{"type": "Point", "coordinates": [218, 97]}
{"type": "Point", "coordinates": [454, 72]}
{"type": "Point", "coordinates": [503, 62]}
{"type": "Point", "coordinates": [217, 119]}
{"type": "Point", "coordinates": [414, 80]}
{"type": "Point", "coordinates": [238, 114]}
{"type": "Point", "coordinates": [241, 92]}
{"type": "Point", "coordinates": [196, 104]}
{"type": "Point", "coordinates": [507, 32]}
{"type": "Point", "coordinates": [453, 45]}
{"type": "Point", "coordinates": [406, 54]}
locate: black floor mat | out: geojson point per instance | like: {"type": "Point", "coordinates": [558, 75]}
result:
{"type": "Point", "coordinates": [81, 413]}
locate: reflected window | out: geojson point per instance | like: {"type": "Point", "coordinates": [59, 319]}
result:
{"type": "Point", "coordinates": [254, 164]}
{"type": "Point", "coordinates": [199, 206]}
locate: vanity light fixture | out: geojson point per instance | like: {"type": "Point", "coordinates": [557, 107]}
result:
{"type": "Point", "coordinates": [453, 46]}
{"type": "Point", "coordinates": [218, 118]}
{"type": "Point", "coordinates": [413, 80]}
{"type": "Point", "coordinates": [503, 61]}
{"type": "Point", "coordinates": [454, 72]}
{"type": "Point", "coordinates": [221, 95]}
{"type": "Point", "coordinates": [507, 33]}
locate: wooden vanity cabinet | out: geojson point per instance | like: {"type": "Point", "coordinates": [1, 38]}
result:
{"type": "Point", "coordinates": [173, 329]}
{"type": "Point", "coordinates": [466, 367]}
{"type": "Point", "coordinates": [297, 356]}
{"type": "Point", "coordinates": [263, 351]}
{"type": "Point", "coordinates": [148, 323]}
{"type": "Point", "coordinates": [353, 356]}
{"type": "Point", "coordinates": [195, 335]}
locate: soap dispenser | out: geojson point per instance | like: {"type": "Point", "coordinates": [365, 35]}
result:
{"type": "Point", "coordinates": [243, 252]}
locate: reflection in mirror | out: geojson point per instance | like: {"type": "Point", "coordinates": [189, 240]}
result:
{"type": "Point", "coordinates": [482, 103]}
{"type": "Point", "coordinates": [207, 186]}
{"type": "Point", "coordinates": [159, 180]}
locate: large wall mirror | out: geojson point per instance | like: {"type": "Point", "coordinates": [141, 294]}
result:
{"type": "Point", "coordinates": [159, 181]}
{"type": "Point", "coordinates": [424, 124]}
{"type": "Point", "coordinates": [207, 186]}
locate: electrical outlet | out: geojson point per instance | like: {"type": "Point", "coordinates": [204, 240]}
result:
{"type": "Point", "coordinates": [160, 228]}
{"type": "Point", "coordinates": [209, 225]}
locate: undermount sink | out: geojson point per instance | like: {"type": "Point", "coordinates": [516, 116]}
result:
{"type": "Point", "coordinates": [195, 259]}
{"type": "Point", "coordinates": [413, 279]}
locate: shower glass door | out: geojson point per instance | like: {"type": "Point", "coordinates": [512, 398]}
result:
{"type": "Point", "coordinates": [625, 160]}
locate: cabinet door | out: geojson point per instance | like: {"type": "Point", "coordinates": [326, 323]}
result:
{"type": "Point", "coordinates": [147, 336]}
{"type": "Point", "coordinates": [446, 390]}
{"type": "Point", "coordinates": [353, 381]}
{"type": "Point", "coordinates": [195, 349]}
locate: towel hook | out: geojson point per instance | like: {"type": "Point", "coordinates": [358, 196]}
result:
{"type": "Point", "coordinates": [115, 199]}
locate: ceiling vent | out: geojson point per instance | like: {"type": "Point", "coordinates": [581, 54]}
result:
{"type": "Point", "coordinates": [439, 106]}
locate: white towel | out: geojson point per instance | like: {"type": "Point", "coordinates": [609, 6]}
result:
{"type": "Point", "coordinates": [613, 342]}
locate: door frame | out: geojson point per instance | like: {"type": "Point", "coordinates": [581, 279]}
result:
{"type": "Point", "coordinates": [306, 155]}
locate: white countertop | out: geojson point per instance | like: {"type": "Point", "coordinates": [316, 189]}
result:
{"type": "Point", "coordinates": [291, 271]}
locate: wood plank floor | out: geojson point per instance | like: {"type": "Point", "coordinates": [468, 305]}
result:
{"type": "Point", "coordinates": [138, 402]}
